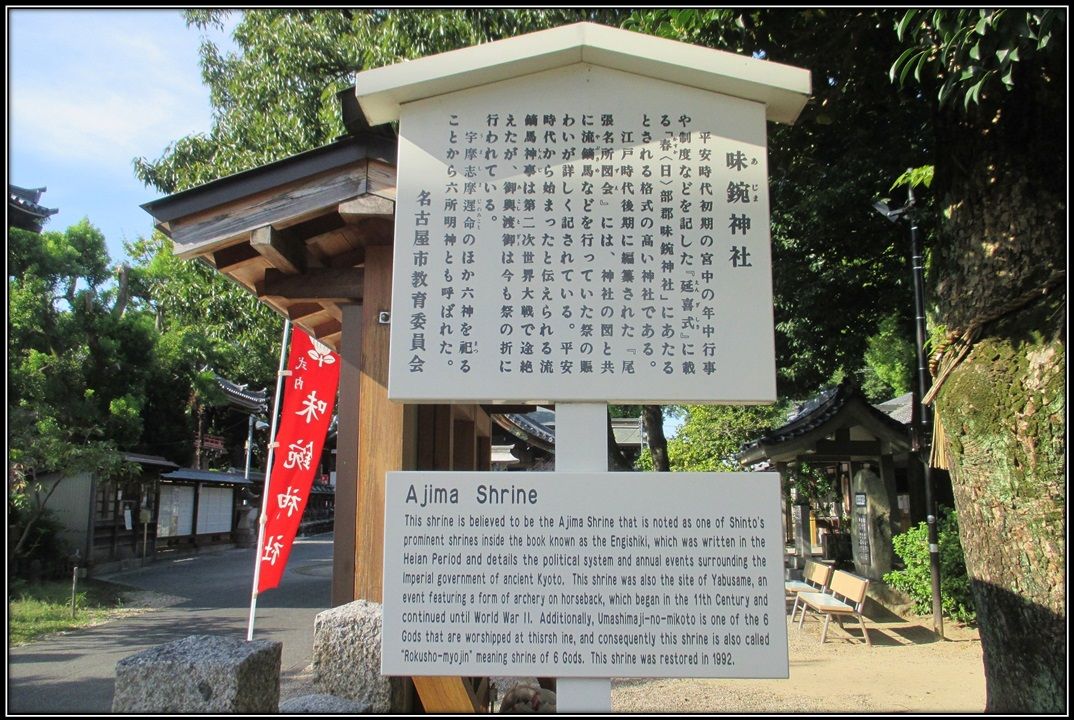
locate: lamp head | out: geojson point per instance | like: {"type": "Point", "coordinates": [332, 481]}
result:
{"type": "Point", "coordinates": [893, 215]}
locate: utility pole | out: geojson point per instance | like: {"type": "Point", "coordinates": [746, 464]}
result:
{"type": "Point", "coordinates": [922, 431]}
{"type": "Point", "coordinates": [924, 415]}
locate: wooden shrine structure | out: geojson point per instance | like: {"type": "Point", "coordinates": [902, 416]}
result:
{"type": "Point", "coordinates": [311, 237]}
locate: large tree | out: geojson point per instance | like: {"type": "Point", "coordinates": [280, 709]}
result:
{"type": "Point", "coordinates": [712, 435]}
{"type": "Point", "coordinates": [275, 96]}
{"type": "Point", "coordinates": [837, 271]}
{"type": "Point", "coordinates": [78, 366]}
{"type": "Point", "coordinates": [996, 81]}
{"type": "Point", "coordinates": [207, 327]}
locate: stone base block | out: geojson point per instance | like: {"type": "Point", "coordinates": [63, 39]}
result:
{"type": "Point", "coordinates": [346, 658]}
{"type": "Point", "coordinates": [320, 704]}
{"type": "Point", "coordinates": [201, 674]}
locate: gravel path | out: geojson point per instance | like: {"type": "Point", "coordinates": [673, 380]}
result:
{"type": "Point", "coordinates": [906, 670]}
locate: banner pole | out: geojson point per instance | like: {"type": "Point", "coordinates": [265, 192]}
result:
{"type": "Point", "coordinates": [261, 520]}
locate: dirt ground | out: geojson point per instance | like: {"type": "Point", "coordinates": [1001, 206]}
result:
{"type": "Point", "coordinates": [907, 670]}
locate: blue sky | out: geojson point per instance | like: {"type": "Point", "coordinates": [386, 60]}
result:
{"type": "Point", "coordinates": [90, 90]}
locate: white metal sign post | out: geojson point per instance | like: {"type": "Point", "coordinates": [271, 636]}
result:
{"type": "Point", "coordinates": [582, 218]}
{"type": "Point", "coordinates": [579, 426]}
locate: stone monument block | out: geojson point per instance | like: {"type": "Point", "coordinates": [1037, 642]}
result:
{"type": "Point", "coordinates": [321, 704]}
{"type": "Point", "coordinates": [201, 674]}
{"type": "Point", "coordinates": [346, 658]}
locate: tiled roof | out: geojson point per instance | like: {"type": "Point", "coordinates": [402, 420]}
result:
{"type": "Point", "coordinates": [243, 398]}
{"type": "Point", "coordinates": [538, 428]}
{"type": "Point", "coordinates": [206, 476]}
{"type": "Point", "coordinates": [900, 409]}
{"type": "Point", "coordinates": [527, 427]}
{"type": "Point", "coordinates": [148, 460]}
{"type": "Point", "coordinates": [24, 209]}
{"type": "Point", "coordinates": [813, 414]}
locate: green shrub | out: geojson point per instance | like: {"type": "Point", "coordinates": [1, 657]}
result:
{"type": "Point", "coordinates": [43, 545]}
{"type": "Point", "coordinates": [916, 580]}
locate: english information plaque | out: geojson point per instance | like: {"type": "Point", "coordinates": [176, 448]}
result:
{"type": "Point", "coordinates": [584, 575]}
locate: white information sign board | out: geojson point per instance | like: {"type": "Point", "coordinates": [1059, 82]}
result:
{"type": "Point", "coordinates": [584, 575]}
{"type": "Point", "coordinates": [582, 234]}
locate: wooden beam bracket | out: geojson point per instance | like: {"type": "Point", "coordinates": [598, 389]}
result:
{"type": "Point", "coordinates": [284, 254]}
{"type": "Point", "coordinates": [366, 206]}
{"type": "Point", "coordinates": [342, 284]}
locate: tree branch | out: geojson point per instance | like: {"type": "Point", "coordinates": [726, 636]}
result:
{"type": "Point", "coordinates": [37, 513]}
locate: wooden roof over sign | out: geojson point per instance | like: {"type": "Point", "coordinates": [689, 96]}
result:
{"type": "Point", "coordinates": [783, 89]}
{"type": "Point", "coordinates": [293, 232]}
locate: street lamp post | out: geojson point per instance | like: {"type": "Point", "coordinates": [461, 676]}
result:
{"type": "Point", "coordinates": [259, 425]}
{"type": "Point", "coordinates": [922, 413]}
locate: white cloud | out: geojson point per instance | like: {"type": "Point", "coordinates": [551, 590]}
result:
{"type": "Point", "coordinates": [88, 91]}
{"type": "Point", "coordinates": [115, 86]}
{"type": "Point", "coordinates": [102, 126]}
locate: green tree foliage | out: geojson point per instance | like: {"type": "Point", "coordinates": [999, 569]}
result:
{"type": "Point", "coordinates": [239, 335]}
{"type": "Point", "coordinates": [70, 357]}
{"type": "Point", "coordinates": [276, 96]}
{"type": "Point", "coordinates": [812, 487]}
{"type": "Point", "coordinates": [206, 327]}
{"type": "Point", "coordinates": [916, 577]}
{"type": "Point", "coordinates": [76, 368]}
{"type": "Point", "coordinates": [969, 55]}
{"type": "Point", "coordinates": [712, 434]}
{"type": "Point", "coordinates": [889, 361]}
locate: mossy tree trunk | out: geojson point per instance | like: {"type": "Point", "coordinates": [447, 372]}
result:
{"type": "Point", "coordinates": [1001, 270]}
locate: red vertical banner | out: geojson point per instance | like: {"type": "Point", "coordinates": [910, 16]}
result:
{"type": "Point", "coordinates": [309, 398]}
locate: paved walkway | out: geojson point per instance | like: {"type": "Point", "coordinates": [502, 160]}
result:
{"type": "Point", "coordinates": [75, 672]}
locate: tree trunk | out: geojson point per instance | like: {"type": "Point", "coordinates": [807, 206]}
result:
{"type": "Point", "coordinates": [38, 511]}
{"type": "Point", "coordinates": [1002, 411]}
{"type": "Point", "coordinates": [123, 291]}
{"type": "Point", "coordinates": [1002, 408]}
{"type": "Point", "coordinates": [616, 460]}
{"type": "Point", "coordinates": [653, 420]}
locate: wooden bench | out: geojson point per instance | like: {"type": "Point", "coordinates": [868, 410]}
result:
{"type": "Point", "coordinates": [815, 578]}
{"type": "Point", "coordinates": [847, 598]}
